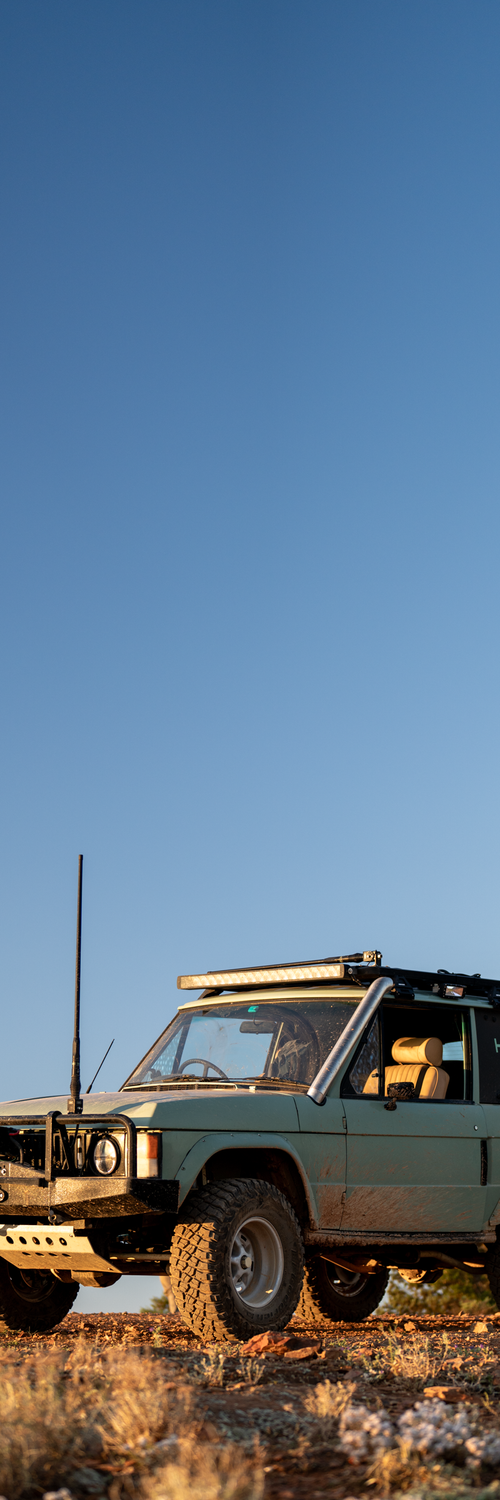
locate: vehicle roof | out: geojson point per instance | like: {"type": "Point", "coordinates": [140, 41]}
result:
{"type": "Point", "coordinates": [280, 993]}
{"type": "Point", "coordinates": [335, 975]}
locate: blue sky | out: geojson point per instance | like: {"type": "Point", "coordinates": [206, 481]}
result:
{"type": "Point", "coordinates": [249, 531]}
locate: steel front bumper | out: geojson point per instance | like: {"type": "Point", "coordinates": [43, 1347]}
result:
{"type": "Point", "coordinates": [85, 1197]}
{"type": "Point", "coordinates": [70, 1194]}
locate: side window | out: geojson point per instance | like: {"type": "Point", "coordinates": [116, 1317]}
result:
{"type": "Point", "coordinates": [426, 1049]}
{"type": "Point", "coordinates": [364, 1073]}
{"type": "Point", "coordinates": [488, 1046]}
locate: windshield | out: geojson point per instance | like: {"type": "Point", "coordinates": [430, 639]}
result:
{"type": "Point", "coordinates": [235, 1042]}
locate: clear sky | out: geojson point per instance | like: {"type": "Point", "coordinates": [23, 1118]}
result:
{"type": "Point", "coordinates": [249, 541]}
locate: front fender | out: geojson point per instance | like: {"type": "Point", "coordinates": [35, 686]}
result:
{"type": "Point", "coordinates": [207, 1146]}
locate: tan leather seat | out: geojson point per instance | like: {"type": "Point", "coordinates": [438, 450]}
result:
{"type": "Point", "coordinates": [417, 1060]}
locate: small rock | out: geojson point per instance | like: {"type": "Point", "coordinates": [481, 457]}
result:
{"type": "Point", "coordinates": [287, 1344]}
{"type": "Point", "coordinates": [261, 1342]}
{"type": "Point", "coordinates": [480, 1328]}
{"type": "Point", "coordinates": [445, 1393]}
{"type": "Point", "coordinates": [307, 1351]}
{"type": "Point", "coordinates": [410, 1327]}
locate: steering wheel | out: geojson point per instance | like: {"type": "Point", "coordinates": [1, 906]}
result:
{"type": "Point", "coordinates": [206, 1066]}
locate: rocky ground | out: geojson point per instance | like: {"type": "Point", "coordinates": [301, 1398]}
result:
{"type": "Point", "coordinates": [315, 1412]}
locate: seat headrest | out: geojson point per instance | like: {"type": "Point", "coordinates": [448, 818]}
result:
{"type": "Point", "coordinates": [418, 1049]}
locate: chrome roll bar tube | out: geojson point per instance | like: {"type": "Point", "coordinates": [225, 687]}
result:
{"type": "Point", "coordinates": [350, 1035]}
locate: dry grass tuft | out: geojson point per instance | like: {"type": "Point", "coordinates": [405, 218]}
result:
{"type": "Point", "coordinates": [326, 1403]}
{"type": "Point", "coordinates": [202, 1474]}
{"type": "Point", "coordinates": [218, 1368]}
{"type": "Point", "coordinates": [414, 1359]}
{"type": "Point", "coordinates": [411, 1359]}
{"type": "Point", "coordinates": [57, 1416]}
{"type": "Point", "coordinates": [214, 1369]}
{"type": "Point", "coordinates": [399, 1472]}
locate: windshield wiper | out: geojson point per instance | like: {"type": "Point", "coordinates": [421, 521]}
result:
{"type": "Point", "coordinates": [173, 1081]}
{"type": "Point", "coordinates": [280, 1083]}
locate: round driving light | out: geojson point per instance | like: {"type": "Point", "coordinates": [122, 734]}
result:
{"type": "Point", "coordinates": [106, 1155]}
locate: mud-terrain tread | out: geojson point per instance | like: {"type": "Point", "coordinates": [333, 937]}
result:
{"type": "Point", "coordinates": [492, 1268]}
{"type": "Point", "coordinates": [197, 1271]}
{"type": "Point", "coordinates": [34, 1317]}
{"type": "Point", "coordinates": [318, 1302]}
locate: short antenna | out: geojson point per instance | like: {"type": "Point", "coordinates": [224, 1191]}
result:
{"type": "Point", "coordinates": [75, 1103]}
{"type": "Point", "coordinates": [91, 1085]}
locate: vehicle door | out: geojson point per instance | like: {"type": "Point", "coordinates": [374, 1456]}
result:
{"type": "Point", "coordinates": [414, 1163]}
{"type": "Point", "coordinates": [487, 1026]}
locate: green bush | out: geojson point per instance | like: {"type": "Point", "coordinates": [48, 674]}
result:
{"type": "Point", "coordinates": [455, 1292]}
{"type": "Point", "coordinates": [158, 1306]}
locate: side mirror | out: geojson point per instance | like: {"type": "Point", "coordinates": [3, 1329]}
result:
{"type": "Point", "coordinates": [398, 1092]}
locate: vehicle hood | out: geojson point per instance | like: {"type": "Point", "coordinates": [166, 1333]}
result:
{"type": "Point", "coordinates": [182, 1109]}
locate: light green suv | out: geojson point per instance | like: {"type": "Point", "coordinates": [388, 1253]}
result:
{"type": "Point", "coordinates": [294, 1133]}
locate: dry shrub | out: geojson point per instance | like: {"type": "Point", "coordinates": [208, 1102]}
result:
{"type": "Point", "coordinates": [396, 1470]}
{"type": "Point", "coordinates": [133, 1409]}
{"type": "Point", "coordinates": [327, 1400]}
{"type": "Point", "coordinates": [421, 1358]}
{"type": "Point", "coordinates": [213, 1369]}
{"type": "Point", "coordinates": [250, 1370]}
{"type": "Point", "coordinates": [205, 1473]}
{"type": "Point", "coordinates": [412, 1359]}
{"type": "Point", "coordinates": [217, 1368]}
{"type": "Point", "coordinates": [38, 1428]}
{"type": "Point", "coordinates": [326, 1403]}
{"type": "Point", "coordinates": [56, 1416]}
{"type": "Point", "coordinates": [404, 1476]}
{"type": "Point", "coordinates": [455, 1292]}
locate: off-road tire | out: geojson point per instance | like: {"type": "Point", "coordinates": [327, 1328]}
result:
{"type": "Point", "coordinates": [200, 1259]}
{"type": "Point", "coordinates": [37, 1304]}
{"type": "Point", "coordinates": [492, 1268]}
{"type": "Point", "coordinates": [321, 1302]}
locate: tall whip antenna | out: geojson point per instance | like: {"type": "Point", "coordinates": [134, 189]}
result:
{"type": "Point", "coordinates": [75, 1103]}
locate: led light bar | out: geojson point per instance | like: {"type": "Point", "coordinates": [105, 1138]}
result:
{"type": "Point", "coordinates": [275, 974]}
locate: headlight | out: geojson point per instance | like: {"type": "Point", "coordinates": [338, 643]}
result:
{"type": "Point", "coordinates": [106, 1155]}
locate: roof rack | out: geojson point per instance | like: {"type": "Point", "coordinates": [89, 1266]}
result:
{"type": "Point", "coordinates": [324, 968]}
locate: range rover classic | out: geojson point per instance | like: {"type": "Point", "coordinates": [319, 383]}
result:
{"type": "Point", "coordinates": [295, 1132]}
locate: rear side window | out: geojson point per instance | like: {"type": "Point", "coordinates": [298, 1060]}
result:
{"type": "Point", "coordinates": [488, 1043]}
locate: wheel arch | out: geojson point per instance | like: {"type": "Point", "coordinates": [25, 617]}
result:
{"type": "Point", "coordinates": [272, 1159]}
